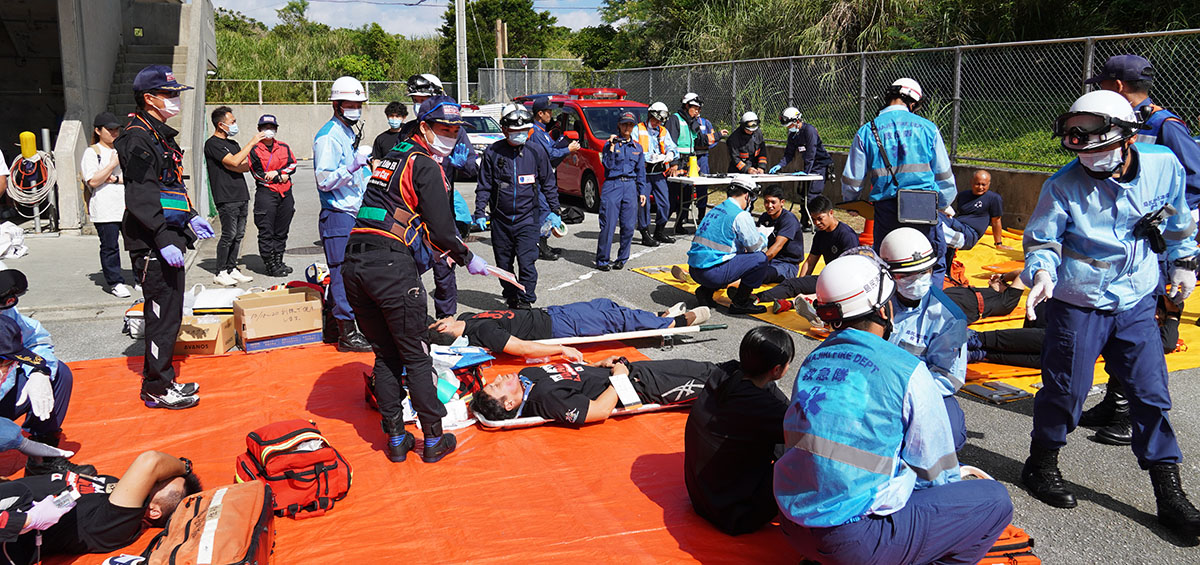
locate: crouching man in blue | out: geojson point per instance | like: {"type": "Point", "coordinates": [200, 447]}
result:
{"type": "Point", "coordinates": [1092, 254]}
{"type": "Point", "coordinates": [870, 475]}
{"type": "Point", "coordinates": [927, 323]}
{"type": "Point", "coordinates": [728, 247]}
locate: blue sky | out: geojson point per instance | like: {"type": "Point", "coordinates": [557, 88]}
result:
{"type": "Point", "coordinates": [406, 20]}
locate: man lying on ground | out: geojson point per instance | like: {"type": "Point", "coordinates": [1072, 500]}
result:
{"type": "Point", "coordinates": [106, 517]}
{"type": "Point", "coordinates": [575, 393]}
{"type": "Point", "coordinates": [515, 331]}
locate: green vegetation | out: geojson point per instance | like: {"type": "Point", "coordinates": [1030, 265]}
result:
{"type": "Point", "coordinates": [530, 34]}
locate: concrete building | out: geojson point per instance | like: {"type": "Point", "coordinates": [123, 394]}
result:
{"type": "Point", "coordinates": [64, 61]}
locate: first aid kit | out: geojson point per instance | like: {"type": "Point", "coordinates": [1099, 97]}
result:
{"type": "Point", "coordinates": [230, 525]}
{"type": "Point", "coordinates": [306, 474]}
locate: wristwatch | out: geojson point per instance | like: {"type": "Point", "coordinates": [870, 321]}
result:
{"type": "Point", "coordinates": [1189, 263]}
{"type": "Point", "coordinates": [187, 465]}
{"type": "Point", "coordinates": [622, 360]}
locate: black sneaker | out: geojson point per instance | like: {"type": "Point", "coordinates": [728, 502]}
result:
{"type": "Point", "coordinates": [171, 400]}
{"type": "Point", "coordinates": [705, 296]}
{"type": "Point", "coordinates": [661, 236]}
{"type": "Point", "coordinates": [747, 308]}
{"type": "Point", "coordinates": [618, 265]}
{"type": "Point", "coordinates": [186, 389]}
{"type": "Point", "coordinates": [49, 465]}
{"type": "Point", "coordinates": [600, 267]}
{"type": "Point", "coordinates": [444, 446]}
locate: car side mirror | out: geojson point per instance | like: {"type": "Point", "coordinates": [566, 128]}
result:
{"type": "Point", "coordinates": [572, 135]}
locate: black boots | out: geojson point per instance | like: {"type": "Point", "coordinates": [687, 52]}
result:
{"type": "Point", "coordinates": [705, 296]}
{"type": "Point", "coordinates": [351, 339]}
{"type": "Point", "coordinates": [1175, 511]}
{"type": "Point", "coordinates": [545, 252]}
{"type": "Point", "coordinates": [1043, 479]}
{"type": "Point", "coordinates": [400, 442]}
{"type": "Point", "coordinates": [647, 239]}
{"type": "Point", "coordinates": [275, 266]}
{"type": "Point", "coordinates": [50, 465]}
{"type": "Point", "coordinates": [1112, 416]}
{"type": "Point", "coordinates": [661, 236]}
{"type": "Point", "coordinates": [437, 445]}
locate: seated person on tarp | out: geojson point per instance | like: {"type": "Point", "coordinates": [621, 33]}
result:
{"type": "Point", "coordinates": [831, 239]}
{"type": "Point", "coordinates": [33, 382]}
{"type": "Point", "coordinates": [106, 518]}
{"type": "Point", "coordinates": [734, 435]}
{"type": "Point", "coordinates": [575, 393]}
{"type": "Point", "coordinates": [728, 248]}
{"type": "Point", "coordinates": [515, 331]}
{"type": "Point", "coordinates": [999, 298]}
{"type": "Point", "coordinates": [870, 474]}
{"type": "Point", "coordinates": [976, 209]}
{"type": "Point", "coordinates": [785, 243]}
{"type": "Point", "coordinates": [926, 323]}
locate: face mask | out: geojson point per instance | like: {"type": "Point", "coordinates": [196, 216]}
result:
{"type": "Point", "coordinates": [170, 107]}
{"type": "Point", "coordinates": [441, 145]}
{"type": "Point", "coordinates": [352, 115]}
{"type": "Point", "coordinates": [915, 288]}
{"type": "Point", "coordinates": [231, 129]}
{"type": "Point", "coordinates": [793, 130]}
{"type": "Point", "coordinates": [269, 133]}
{"type": "Point", "coordinates": [395, 123]}
{"type": "Point", "coordinates": [1104, 162]}
{"type": "Point", "coordinates": [518, 137]}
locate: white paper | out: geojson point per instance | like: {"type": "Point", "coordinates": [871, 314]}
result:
{"type": "Point", "coordinates": [505, 276]}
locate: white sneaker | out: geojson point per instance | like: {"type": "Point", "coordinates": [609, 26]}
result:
{"type": "Point", "coordinates": [677, 310]}
{"type": "Point", "coordinates": [237, 275]}
{"type": "Point", "coordinates": [702, 314]}
{"type": "Point", "coordinates": [137, 287]}
{"type": "Point", "coordinates": [120, 291]}
{"type": "Point", "coordinates": [224, 279]}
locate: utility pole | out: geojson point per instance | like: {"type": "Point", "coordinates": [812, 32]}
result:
{"type": "Point", "coordinates": [501, 51]}
{"type": "Point", "coordinates": [460, 41]}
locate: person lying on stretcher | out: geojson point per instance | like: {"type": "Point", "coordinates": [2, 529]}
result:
{"type": "Point", "coordinates": [515, 331]}
{"type": "Point", "coordinates": [575, 393]}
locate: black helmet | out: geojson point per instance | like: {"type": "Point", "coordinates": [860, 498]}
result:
{"type": "Point", "coordinates": [424, 85]}
{"type": "Point", "coordinates": [515, 116]}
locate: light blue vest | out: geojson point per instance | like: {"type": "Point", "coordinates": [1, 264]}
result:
{"type": "Point", "coordinates": [909, 141]}
{"type": "Point", "coordinates": [843, 429]}
{"type": "Point", "coordinates": [715, 241]}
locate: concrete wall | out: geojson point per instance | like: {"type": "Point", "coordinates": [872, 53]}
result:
{"type": "Point", "coordinates": [298, 123]}
{"type": "Point", "coordinates": [1020, 189]}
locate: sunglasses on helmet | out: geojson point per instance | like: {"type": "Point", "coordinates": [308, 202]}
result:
{"type": "Point", "coordinates": [1076, 127]}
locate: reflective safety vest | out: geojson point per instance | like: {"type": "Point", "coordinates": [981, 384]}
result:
{"type": "Point", "coordinates": [641, 133]}
{"type": "Point", "coordinates": [715, 241]}
{"type": "Point", "coordinates": [687, 139]}
{"type": "Point", "coordinates": [1153, 127]}
{"type": "Point", "coordinates": [389, 205]}
{"type": "Point", "coordinates": [843, 430]}
{"type": "Point", "coordinates": [707, 137]}
{"type": "Point", "coordinates": [172, 194]}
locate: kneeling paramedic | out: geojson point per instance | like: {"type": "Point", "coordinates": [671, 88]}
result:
{"type": "Point", "coordinates": [870, 475]}
{"type": "Point", "coordinates": [926, 322]}
{"type": "Point", "coordinates": [514, 178]}
{"type": "Point", "coordinates": [404, 225]}
{"type": "Point", "coordinates": [1092, 250]}
{"type": "Point", "coordinates": [728, 247]}
{"type": "Point", "coordinates": [901, 159]}
{"type": "Point", "coordinates": [624, 190]}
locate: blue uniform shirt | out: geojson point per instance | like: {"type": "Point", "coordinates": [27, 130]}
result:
{"type": "Point", "coordinates": [786, 225]}
{"type": "Point", "coordinates": [1174, 135]}
{"type": "Point", "coordinates": [831, 244]}
{"type": "Point", "coordinates": [624, 159]}
{"type": "Point", "coordinates": [35, 338]}
{"type": "Point", "coordinates": [1081, 231]}
{"type": "Point", "coordinates": [540, 136]}
{"type": "Point", "coordinates": [333, 152]}
{"type": "Point", "coordinates": [914, 148]}
{"type": "Point", "coordinates": [510, 178]}
{"type": "Point", "coordinates": [806, 142]}
{"type": "Point", "coordinates": [978, 211]}
{"type": "Point", "coordinates": [936, 332]}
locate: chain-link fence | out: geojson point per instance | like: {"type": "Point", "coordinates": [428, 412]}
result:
{"type": "Point", "coordinates": [265, 91]}
{"type": "Point", "coordinates": [994, 103]}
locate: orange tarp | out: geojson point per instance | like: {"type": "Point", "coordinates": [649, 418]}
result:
{"type": "Point", "coordinates": [606, 492]}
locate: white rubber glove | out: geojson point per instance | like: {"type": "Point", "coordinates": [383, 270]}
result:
{"type": "Point", "coordinates": [949, 211]}
{"type": "Point", "coordinates": [40, 394]}
{"type": "Point", "coordinates": [1183, 282]}
{"type": "Point", "coordinates": [361, 158]}
{"type": "Point", "coordinates": [1043, 289]}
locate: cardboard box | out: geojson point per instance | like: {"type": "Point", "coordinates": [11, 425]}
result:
{"type": "Point", "coordinates": [205, 335]}
{"type": "Point", "coordinates": [290, 340]}
{"type": "Point", "coordinates": [282, 312]}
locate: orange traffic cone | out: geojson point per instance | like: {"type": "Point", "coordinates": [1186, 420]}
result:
{"type": "Point", "coordinates": [867, 237]}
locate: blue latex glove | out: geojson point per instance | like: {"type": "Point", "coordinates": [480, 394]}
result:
{"type": "Point", "coordinates": [555, 220]}
{"type": "Point", "coordinates": [172, 255]}
{"type": "Point", "coordinates": [201, 227]}
{"type": "Point", "coordinates": [481, 223]}
{"type": "Point", "coordinates": [458, 157]}
{"type": "Point", "coordinates": [774, 170]}
{"type": "Point", "coordinates": [477, 266]}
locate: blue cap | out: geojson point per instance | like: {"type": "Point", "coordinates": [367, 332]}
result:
{"type": "Point", "coordinates": [11, 346]}
{"type": "Point", "coordinates": [441, 109]}
{"type": "Point", "coordinates": [627, 118]}
{"type": "Point", "coordinates": [267, 119]}
{"type": "Point", "coordinates": [542, 103]}
{"type": "Point", "coordinates": [156, 77]}
{"type": "Point", "coordinates": [1125, 68]}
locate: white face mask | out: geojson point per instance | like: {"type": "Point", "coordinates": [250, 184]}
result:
{"type": "Point", "coordinates": [352, 115]}
{"type": "Point", "coordinates": [269, 133]}
{"type": "Point", "coordinates": [915, 288]}
{"type": "Point", "coordinates": [518, 137]}
{"type": "Point", "coordinates": [231, 129]}
{"type": "Point", "coordinates": [441, 145]}
{"type": "Point", "coordinates": [1105, 162]}
{"type": "Point", "coordinates": [170, 107]}
{"type": "Point", "coordinates": [793, 130]}
{"type": "Point", "coordinates": [395, 123]}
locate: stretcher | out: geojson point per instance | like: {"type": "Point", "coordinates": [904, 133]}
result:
{"type": "Point", "coordinates": [663, 333]}
{"type": "Point", "coordinates": [531, 421]}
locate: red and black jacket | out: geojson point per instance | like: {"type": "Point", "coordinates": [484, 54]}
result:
{"type": "Point", "coordinates": [276, 157]}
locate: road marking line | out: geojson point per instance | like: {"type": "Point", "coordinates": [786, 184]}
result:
{"type": "Point", "coordinates": [589, 274]}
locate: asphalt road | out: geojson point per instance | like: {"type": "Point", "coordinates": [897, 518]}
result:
{"type": "Point", "coordinates": [1115, 520]}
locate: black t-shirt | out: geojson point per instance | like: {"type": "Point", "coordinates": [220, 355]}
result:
{"type": "Point", "coordinates": [492, 329]}
{"type": "Point", "coordinates": [733, 436]}
{"type": "Point", "coordinates": [384, 142]}
{"type": "Point", "coordinates": [562, 391]}
{"type": "Point", "coordinates": [227, 186]}
{"type": "Point", "coordinates": [786, 225]}
{"type": "Point", "coordinates": [830, 244]}
{"type": "Point", "coordinates": [95, 525]}
{"type": "Point", "coordinates": [978, 211]}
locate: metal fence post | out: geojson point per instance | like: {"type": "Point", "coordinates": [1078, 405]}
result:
{"type": "Point", "coordinates": [862, 89]}
{"type": "Point", "coordinates": [651, 75]}
{"type": "Point", "coordinates": [733, 95]}
{"type": "Point", "coordinates": [954, 121]}
{"type": "Point", "coordinates": [314, 85]}
{"type": "Point", "coordinates": [260, 92]}
{"type": "Point", "coordinates": [791, 90]}
{"type": "Point", "coordinates": [1089, 60]}
{"type": "Point", "coordinates": [689, 79]}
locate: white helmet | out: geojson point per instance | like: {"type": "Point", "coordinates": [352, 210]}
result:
{"type": "Point", "coordinates": [750, 121]}
{"type": "Point", "coordinates": [907, 89]}
{"type": "Point", "coordinates": [692, 99]}
{"type": "Point", "coordinates": [349, 89]}
{"type": "Point", "coordinates": [424, 85]}
{"type": "Point", "coordinates": [1096, 119]}
{"type": "Point", "coordinates": [852, 286]}
{"type": "Point", "coordinates": [907, 250]}
{"type": "Point", "coordinates": [789, 115]}
{"type": "Point", "coordinates": [659, 111]}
